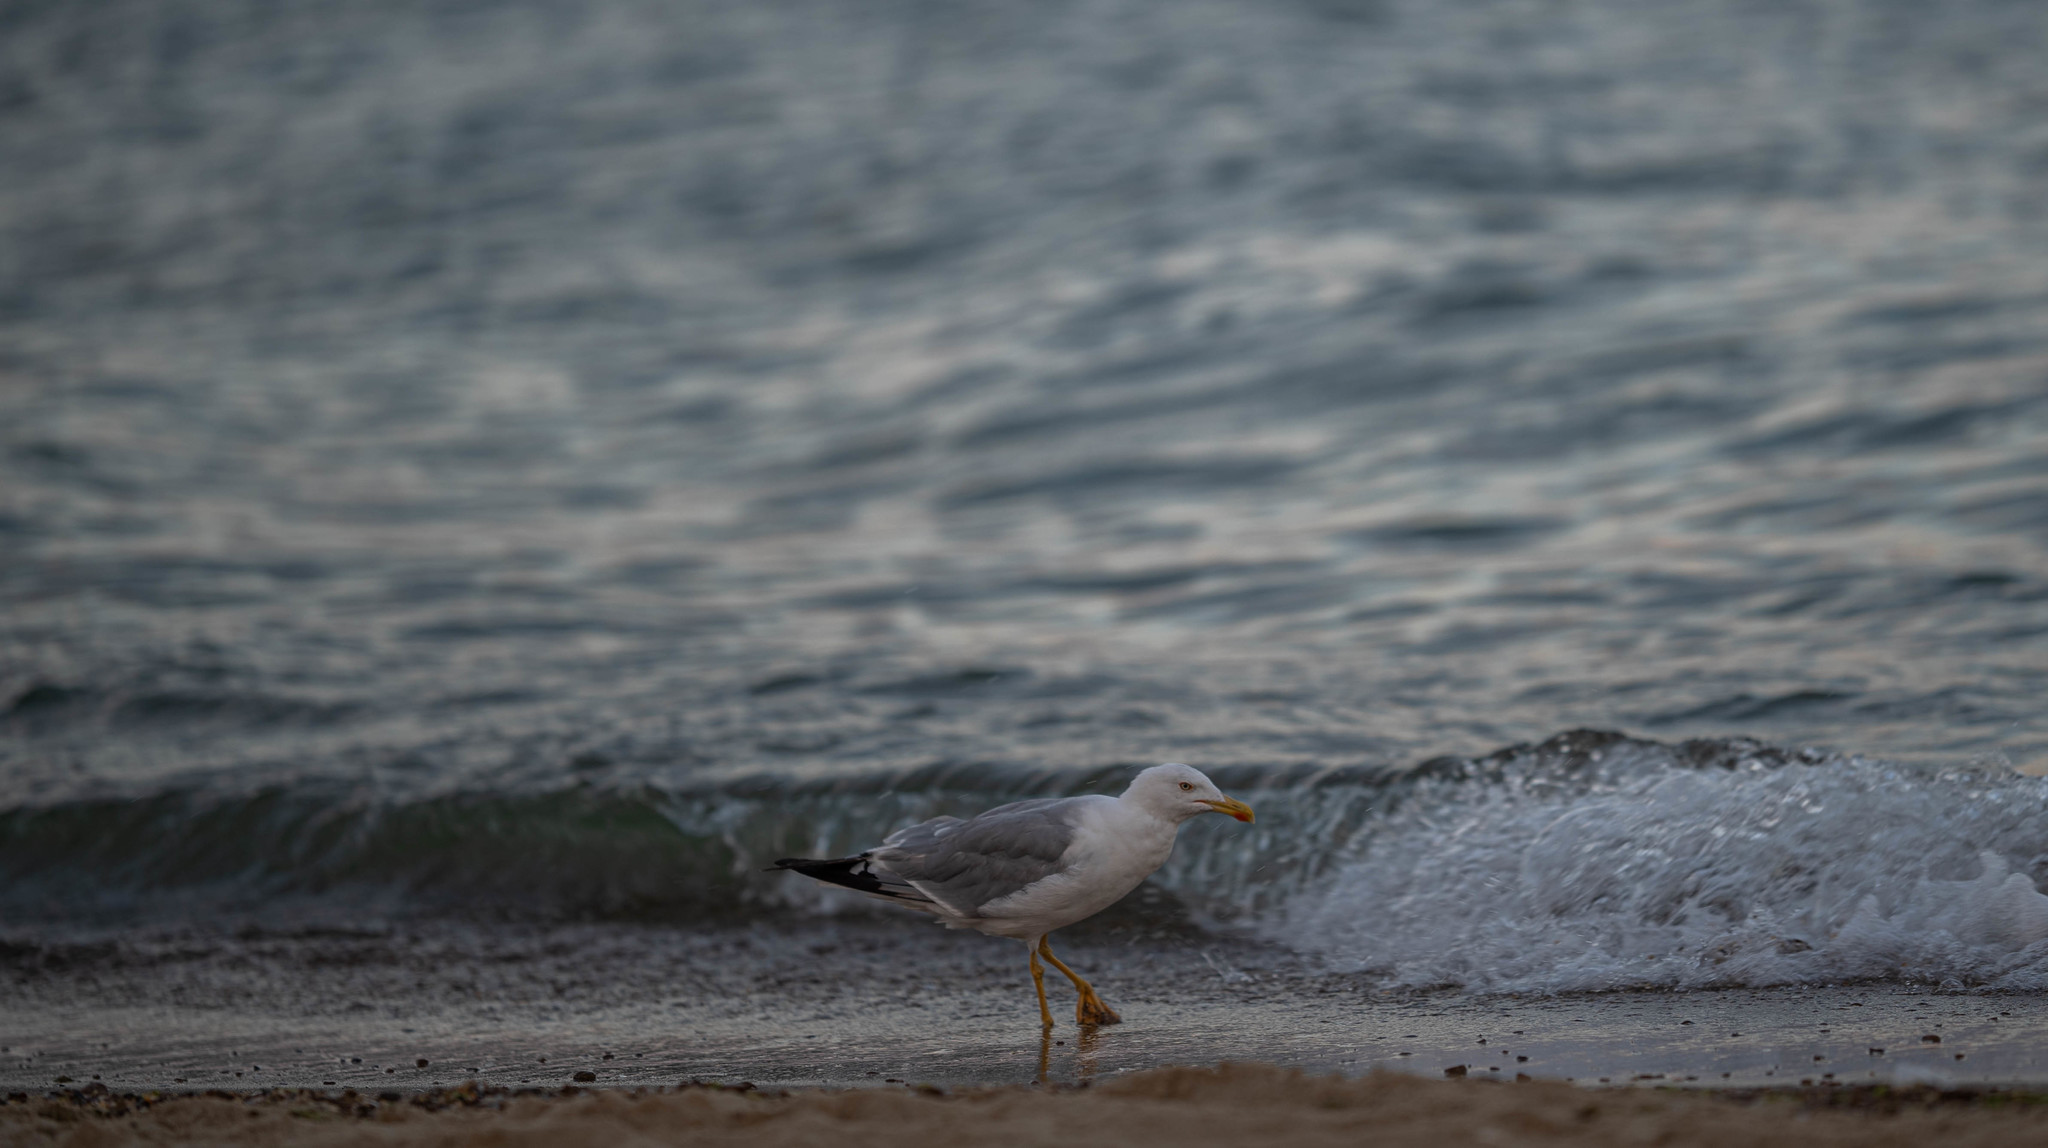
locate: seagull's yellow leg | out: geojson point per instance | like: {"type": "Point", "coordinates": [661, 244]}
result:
{"type": "Point", "coordinates": [1038, 978]}
{"type": "Point", "coordinates": [1089, 1009]}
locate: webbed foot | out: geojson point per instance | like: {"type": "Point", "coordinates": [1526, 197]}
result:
{"type": "Point", "coordinates": [1091, 1010]}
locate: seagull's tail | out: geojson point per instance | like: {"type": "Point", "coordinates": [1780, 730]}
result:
{"type": "Point", "coordinates": [855, 873]}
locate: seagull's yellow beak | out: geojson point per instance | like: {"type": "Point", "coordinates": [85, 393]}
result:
{"type": "Point", "coordinates": [1230, 805]}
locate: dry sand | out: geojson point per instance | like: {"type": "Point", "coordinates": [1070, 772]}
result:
{"type": "Point", "coordinates": [1188, 1107]}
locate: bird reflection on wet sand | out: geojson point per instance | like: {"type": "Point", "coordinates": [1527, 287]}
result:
{"type": "Point", "coordinates": [1086, 1044]}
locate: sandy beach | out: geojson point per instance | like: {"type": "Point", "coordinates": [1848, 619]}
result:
{"type": "Point", "coordinates": [1226, 1105]}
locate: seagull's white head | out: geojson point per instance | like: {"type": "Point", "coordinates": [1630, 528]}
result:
{"type": "Point", "coordinates": [1177, 792]}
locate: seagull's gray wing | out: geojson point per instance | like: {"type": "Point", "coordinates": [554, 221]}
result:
{"type": "Point", "coordinates": [964, 865]}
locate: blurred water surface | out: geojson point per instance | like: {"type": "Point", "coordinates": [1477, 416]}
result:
{"type": "Point", "coordinates": [404, 403]}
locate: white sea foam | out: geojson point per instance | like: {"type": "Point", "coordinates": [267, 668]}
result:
{"type": "Point", "coordinates": [1658, 874]}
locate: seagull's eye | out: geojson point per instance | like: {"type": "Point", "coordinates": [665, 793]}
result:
{"type": "Point", "coordinates": [1189, 785]}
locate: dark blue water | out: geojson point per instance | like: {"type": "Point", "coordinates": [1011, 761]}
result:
{"type": "Point", "coordinates": [551, 454]}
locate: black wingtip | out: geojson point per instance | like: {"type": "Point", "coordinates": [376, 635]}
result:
{"type": "Point", "coordinates": [851, 872]}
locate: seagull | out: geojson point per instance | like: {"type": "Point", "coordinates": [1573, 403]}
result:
{"type": "Point", "coordinates": [1024, 869]}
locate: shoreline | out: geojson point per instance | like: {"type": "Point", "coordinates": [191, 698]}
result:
{"type": "Point", "coordinates": [1226, 1104]}
{"type": "Point", "coordinates": [847, 1002]}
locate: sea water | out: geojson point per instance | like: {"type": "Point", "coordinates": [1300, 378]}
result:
{"type": "Point", "coordinates": [541, 462]}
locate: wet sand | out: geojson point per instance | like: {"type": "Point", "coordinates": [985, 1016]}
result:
{"type": "Point", "coordinates": [864, 1030]}
{"type": "Point", "coordinates": [863, 1001]}
{"type": "Point", "coordinates": [1228, 1105]}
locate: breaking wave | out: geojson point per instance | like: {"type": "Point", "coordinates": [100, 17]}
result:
{"type": "Point", "coordinates": [1597, 862]}
{"type": "Point", "coordinates": [1593, 861]}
